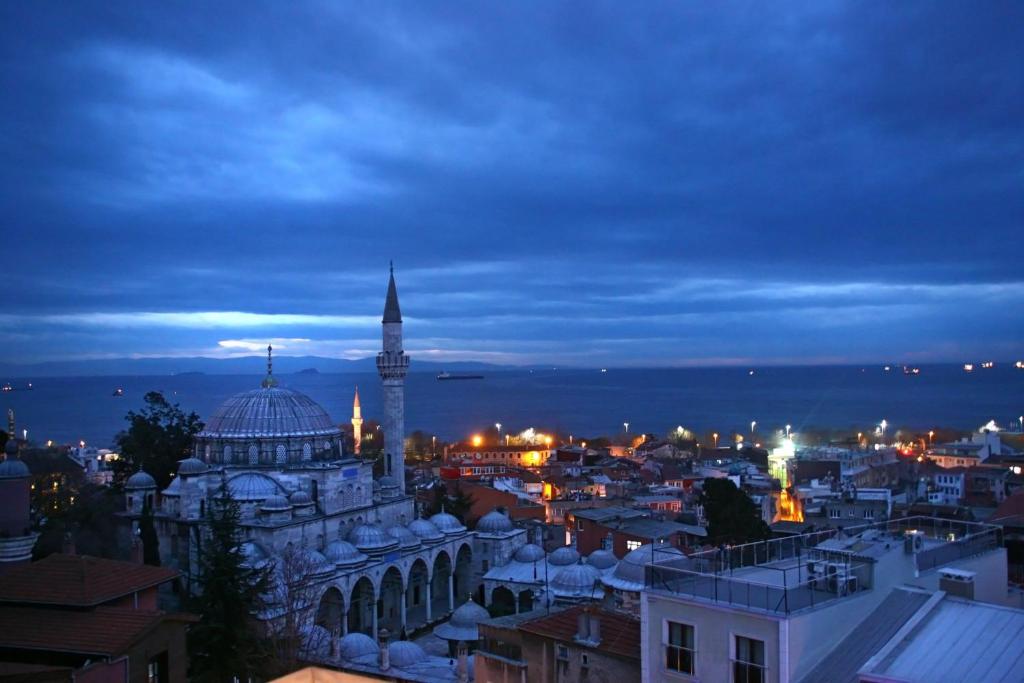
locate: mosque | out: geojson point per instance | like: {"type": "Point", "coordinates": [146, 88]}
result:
{"type": "Point", "coordinates": [371, 564]}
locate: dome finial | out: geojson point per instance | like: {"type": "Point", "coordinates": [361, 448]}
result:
{"type": "Point", "coordinates": [269, 380]}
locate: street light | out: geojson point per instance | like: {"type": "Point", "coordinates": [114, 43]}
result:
{"type": "Point", "coordinates": [788, 427]}
{"type": "Point", "coordinates": [753, 423]}
{"type": "Point", "coordinates": [715, 437]}
{"type": "Point", "coordinates": [497, 425]}
{"type": "Point", "coordinates": [931, 435]}
{"type": "Point", "coordinates": [625, 426]}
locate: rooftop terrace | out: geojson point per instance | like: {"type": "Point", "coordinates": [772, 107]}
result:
{"type": "Point", "coordinates": [786, 575]}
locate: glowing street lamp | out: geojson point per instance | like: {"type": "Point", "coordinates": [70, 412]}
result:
{"type": "Point", "coordinates": [477, 440]}
{"type": "Point", "coordinates": [931, 435]}
{"type": "Point", "coordinates": [788, 427]}
{"type": "Point", "coordinates": [715, 437]}
{"type": "Point", "coordinates": [497, 425]}
{"type": "Point", "coordinates": [625, 426]}
{"type": "Point", "coordinates": [753, 424]}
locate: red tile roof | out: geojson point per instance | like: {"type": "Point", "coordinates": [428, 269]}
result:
{"type": "Point", "coordinates": [1010, 512]}
{"type": "Point", "coordinates": [620, 633]}
{"type": "Point", "coordinates": [78, 580]}
{"type": "Point", "coordinates": [103, 631]}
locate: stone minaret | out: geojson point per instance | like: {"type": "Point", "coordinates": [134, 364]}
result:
{"type": "Point", "coordinates": [392, 365]}
{"type": "Point", "coordinates": [357, 422]}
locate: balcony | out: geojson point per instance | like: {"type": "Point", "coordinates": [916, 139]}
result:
{"type": "Point", "coordinates": [786, 575]}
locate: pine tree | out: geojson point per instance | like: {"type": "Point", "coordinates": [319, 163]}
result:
{"type": "Point", "coordinates": [226, 644]}
{"type": "Point", "coordinates": [732, 516]}
{"type": "Point", "coordinates": [147, 534]}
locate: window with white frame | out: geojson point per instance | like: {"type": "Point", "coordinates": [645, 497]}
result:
{"type": "Point", "coordinates": [748, 663]}
{"type": "Point", "coordinates": [679, 647]}
{"type": "Point", "coordinates": [835, 513]}
{"type": "Point", "coordinates": [632, 545]}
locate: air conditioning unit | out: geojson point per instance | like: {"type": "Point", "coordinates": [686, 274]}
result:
{"type": "Point", "coordinates": [913, 542]}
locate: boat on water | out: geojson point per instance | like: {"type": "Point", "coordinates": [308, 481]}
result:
{"type": "Point", "coordinates": [968, 367]}
{"type": "Point", "coordinates": [907, 370]}
{"type": "Point", "coordinates": [7, 387]}
{"type": "Point", "coordinates": [119, 392]}
{"type": "Point", "coordinates": [448, 375]}
{"type": "Point", "coordinates": [987, 365]}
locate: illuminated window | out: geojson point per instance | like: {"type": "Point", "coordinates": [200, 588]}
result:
{"type": "Point", "coordinates": [632, 545]}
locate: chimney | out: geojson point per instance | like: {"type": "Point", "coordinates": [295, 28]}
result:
{"type": "Point", "coordinates": [957, 582]}
{"type": "Point", "coordinates": [385, 655]}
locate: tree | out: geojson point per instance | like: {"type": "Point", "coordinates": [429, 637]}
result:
{"type": "Point", "coordinates": [147, 535]}
{"type": "Point", "coordinates": [298, 632]}
{"type": "Point", "coordinates": [225, 644]}
{"type": "Point", "coordinates": [90, 520]}
{"type": "Point", "coordinates": [457, 505]}
{"type": "Point", "coordinates": [158, 437]}
{"type": "Point", "coordinates": [732, 516]}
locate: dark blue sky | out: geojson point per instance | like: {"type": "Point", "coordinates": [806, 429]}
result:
{"type": "Point", "coordinates": [588, 184]}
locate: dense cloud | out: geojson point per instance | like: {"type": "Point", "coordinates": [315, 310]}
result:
{"type": "Point", "coordinates": [584, 183]}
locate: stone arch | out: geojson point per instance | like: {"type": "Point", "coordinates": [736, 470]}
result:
{"type": "Point", "coordinates": [390, 608]}
{"type": "Point", "coordinates": [418, 584]}
{"type": "Point", "coordinates": [331, 609]}
{"type": "Point", "coordinates": [361, 607]}
{"type": "Point", "coordinates": [307, 451]}
{"type": "Point", "coordinates": [280, 454]}
{"type": "Point", "coordinates": [463, 573]}
{"type": "Point", "coordinates": [503, 601]}
{"type": "Point", "coordinates": [254, 454]}
{"type": "Point", "coordinates": [347, 499]}
{"type": "Point", "coordinates": [440, 576]}
{"type": "Point", "coordinates": [227, 453]}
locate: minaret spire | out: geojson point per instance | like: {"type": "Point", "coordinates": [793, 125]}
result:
{"type": "Point", "coordinates": [357, 423]}
{"type": "Point", "coordinates": [392, 313]}
{"type": "Point", "coordinates": [269, 380]}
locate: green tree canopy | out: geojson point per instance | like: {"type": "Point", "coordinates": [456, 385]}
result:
{"type": "Point", "coordinates": [226, 644]}
{"type": "Point", "coordinates": [732, 516]}
{"type": "Point", "coordinates": [158, 437]}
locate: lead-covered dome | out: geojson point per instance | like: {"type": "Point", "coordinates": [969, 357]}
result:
{"type": "Point", "coordinates": [370, 538]}
{"type": "Point", "coordinates": [564, 556]}
{"type": "Point", "coordinates": [343, 554]}
{"type": "Point", "coordinates": [425, 530]}
{"type": "Point", "coordinates": [270, 412]}
{"type": "Point", "coordinates": [531, 552]}
{"type": "Point", "coordinates": [629, 574]}
{"type": "Point", "coordinates": [140, 480]}
{"type": "Point", "coordinates": [576, 580]}
{"type": "Point", "coordinates": [449, 524]}
{"type": "Point", "coordinates": [406, 538]}
{"type": "Point", "coordinates": [405, 653]}
{"type": "Point", "coordinates": [252, 486]}
{"type": "Point", "coordinates": [13, 467]}
{"type": "Point", "coordinates": [356, 645]}
{"type": "Point", "coordinates": [494, 522]}
{"type": "Point", "coordinates": [463, 623]}
{"type": "Point", "coordinates": [602, 559]}
{"type": "Point", "coordinates": [192, 466]}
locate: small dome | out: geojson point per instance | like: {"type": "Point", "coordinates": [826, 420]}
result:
{"type": "Point", "coordinates": [271, 412]}
{"type": "Point", "coordinates": [494, 522]}
{"type": "Point", "coordinates": [602, 559]}
{"type": "Point", "coordinates": [449, 524]}
{"type": "Point", "coordinates": [576, 579]}
{"type": "Point", "coordinates": [343, 553]}
{"type": "Point", "coordinates": [405, 653]}
{"type": "Point", "coordinates": [140, 480]}
{"type": "Point", "coordinates": [173, 489]}
{"type": "Point", "coordinates": [300, 499]}
{"type": "Point", "coordinates": [371, 538]}
{"type": "Point", "coordinates": [564, 556]}
{"type": "Point", "coordinates": [629, 574]}
{"type": "Point", "coordinates": [463, 623]}
{"type": "Point", "coordinates": [317, 563]}
{"type": "Point", "coordinates": [13, 468]}
{"type": "Point", "coordinates": [531, 552]}
{"type": "Point", "coordinates": [356, 645]}
{"type": "Point", "coordinates": [252, 486]}
{"type": "Point", "coordinates": [276, 503]}
{"type": "Point", "coordinates": [406, 538]}
{"type": "Point", "coordinates": [192, 466]}
{"type": "Point", "coordinates": [425, 530]}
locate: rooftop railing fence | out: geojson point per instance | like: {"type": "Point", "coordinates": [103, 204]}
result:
{"type": "Point", "coordinates": [783, 575]}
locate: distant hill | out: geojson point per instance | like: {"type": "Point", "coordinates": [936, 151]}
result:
{"type": "Point", "coordinates": [246, 365]}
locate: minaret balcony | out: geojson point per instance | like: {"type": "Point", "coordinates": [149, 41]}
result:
{"type": "Point", "coordinates": [392, 365]}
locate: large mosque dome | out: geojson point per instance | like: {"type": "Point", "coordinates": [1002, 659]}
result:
{"type": "Point", "coordinates": [267, 413]}
{"type": "Point", "coordinates": [269, 426]}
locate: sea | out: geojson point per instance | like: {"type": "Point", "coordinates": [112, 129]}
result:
{"type": "Point", "coordinates": [584, 403]}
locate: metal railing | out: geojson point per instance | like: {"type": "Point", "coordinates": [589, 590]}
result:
{"type": "Point", "coordinates": [785, 575]}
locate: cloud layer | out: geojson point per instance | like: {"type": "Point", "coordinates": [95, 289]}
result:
{"type": "Point", "coordinates": [577, 184]}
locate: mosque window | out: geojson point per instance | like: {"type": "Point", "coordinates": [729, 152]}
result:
{"type": "Point", "coordinates": [227, 453]}
{"type": "Point", "coordinates": [307, 451]}
{"type": "Point", "coordinates": [281, 454]}
{"type": "Point", "coordinates": [207, 452]}
{"type": "Point", "coordinates": [254, 455]}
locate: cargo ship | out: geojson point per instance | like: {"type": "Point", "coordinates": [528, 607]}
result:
{"type": "Point", "coordinates": [449, 375]}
